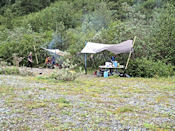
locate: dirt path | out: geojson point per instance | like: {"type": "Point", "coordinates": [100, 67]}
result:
{"type": "Point", "coordinates": [38, 71]}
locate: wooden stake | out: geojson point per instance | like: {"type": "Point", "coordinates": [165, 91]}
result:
{"type": "Point", "coordinates": [85, 60]}
{"type": "Point", "coordinates": [36, 55]}
{"type": "Point", "coordinates": [130, 54]}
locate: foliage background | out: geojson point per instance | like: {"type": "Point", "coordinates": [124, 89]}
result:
{"type": "Point", "coordinates": [67, 24]}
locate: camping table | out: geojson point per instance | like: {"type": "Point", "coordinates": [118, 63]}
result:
{"type": "Point", "coordinates": [103, 67]}
{"type": "Point", "coordinates": [111, 67]}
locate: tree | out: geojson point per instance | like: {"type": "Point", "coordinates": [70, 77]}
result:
{"type": "Point", "coordinates": [21, 41]}
{"type": "Point", "coordinates": [162, 37]}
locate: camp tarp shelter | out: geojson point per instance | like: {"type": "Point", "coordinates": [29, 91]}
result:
{"type": "Point", "coordinates": [56, 51]}
{"type": "Point", "coordinates": [124, 47]}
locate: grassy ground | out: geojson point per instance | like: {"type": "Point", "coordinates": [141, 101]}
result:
{"type": "Point", "coordinates": [88, 103]}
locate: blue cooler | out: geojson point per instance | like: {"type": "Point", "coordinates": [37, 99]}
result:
{"type": "Point", "coordinates": [105, 74]}
{"type": "Point", "coordinates": [115, 63]}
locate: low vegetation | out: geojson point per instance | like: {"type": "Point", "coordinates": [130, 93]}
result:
{"type": "Point", "coordinates": [8, 70]}
{"type": "Point", "coordinates": [66, 73]}
{"type": "Point", "coordinates": [36, 103]}
{"type": "Point", "coordinates": [149, 68]}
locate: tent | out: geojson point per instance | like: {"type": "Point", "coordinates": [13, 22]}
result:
{"type": "Point", "coordinates": [56, 51]}
{"type": "Point", "coordinates": [124, 47]}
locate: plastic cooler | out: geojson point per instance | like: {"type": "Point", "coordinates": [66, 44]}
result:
{"type": "Point", "coordinates": [105, 74]}
{"type": "Point", "coordinates": [115, 63]}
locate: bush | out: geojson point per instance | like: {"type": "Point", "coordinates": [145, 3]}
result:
{"type": "Point", "coordinates": [3, 63]}
{"type": "Point", "coordinates": [21, 41]}
{"type": "Point", "coordinates": [9, 70]}
{"type": "Point", "coordinates": [50, 17]}
{"type": "Point", "coordinates": [161, 39]}
{"type": "Point", "coordinates": [148, 68]}
{"type": "Point", "coordinates": [14, 71]}
{"type": "Point", "coordinates": [24, 72]}
{"type": "Point", "coordinates": [66, 73]}
{"type": "Point", "coordinates": [63, 74]}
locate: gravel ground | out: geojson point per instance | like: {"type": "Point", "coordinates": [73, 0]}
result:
{"type": "Point", "coordinates": [89, 103]}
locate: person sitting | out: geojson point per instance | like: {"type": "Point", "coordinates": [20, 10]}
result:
{"type": "Point", "coordinates": [114, 62]}
{"type": "Point", "coordinates": [53, 61]}
{"type": "Point", "coordinates": [112, 59]}
{"type": "Point", "coordinates": [48, 61]}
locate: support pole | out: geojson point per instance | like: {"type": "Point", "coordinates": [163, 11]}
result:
{"type": "Point", "coordinates": [85, 61]}
{"type": "Point", "coordinates": [130, 54]}
{"type": "Point", "coordinates": [35, 54]}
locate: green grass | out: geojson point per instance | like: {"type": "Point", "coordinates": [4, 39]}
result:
{"type": "Point", "coordinates": [113, 95]}
{"type": "Point", "coordinates": [34, 104]}
{"type": "Point", "coordinates": [13, 70]}
{"type": "Point", "coordinates": [149, 126]}
{"type": "Point", "coordinates": [6, 90]}
{"type": "Point", "coordinates": [124, 109]}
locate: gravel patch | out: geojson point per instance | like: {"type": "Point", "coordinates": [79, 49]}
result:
{"type": "Point", "coordinates": [29, 106]}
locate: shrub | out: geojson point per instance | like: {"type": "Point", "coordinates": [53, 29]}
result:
{"type": "Point", "coordinates": [148, 68]}
{"type": "Point", "coordinates": [9, 70]}
{"type": "Point", "coordinates": [21, 41]}
{"type": "Point", "coordinates": [24, 72]}
{"type": "Point", "coordinates": [14, 71]}
{"type": "Point", "coordinates": [66, 73]}
{"type": "Point", "coordinates": [50, 17]}
{"type": "Point", "coordinates": [161, 39]}
{"type": "Point", "coordinates": [3, 63]}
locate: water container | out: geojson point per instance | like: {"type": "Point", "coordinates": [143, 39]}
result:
{"type": "Point", "coordinates": [107, 64]}
{"type": "Point", "coordinates": [105, 74]}
{"type": "Point", "coordinates": [115, 63]}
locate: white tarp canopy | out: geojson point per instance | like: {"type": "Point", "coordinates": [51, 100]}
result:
{"type": "Point", "coordinates": [124, 47]}
{"type": "Point", "coordinates": [56, 51]}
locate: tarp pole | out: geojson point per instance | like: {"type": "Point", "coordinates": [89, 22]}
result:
{"type": "Point", "coordinates": [35, 54]}
{"type": "Point", "coordinates": [85, 60]}
{"type": "Point", "coordinates": [130, 54]}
